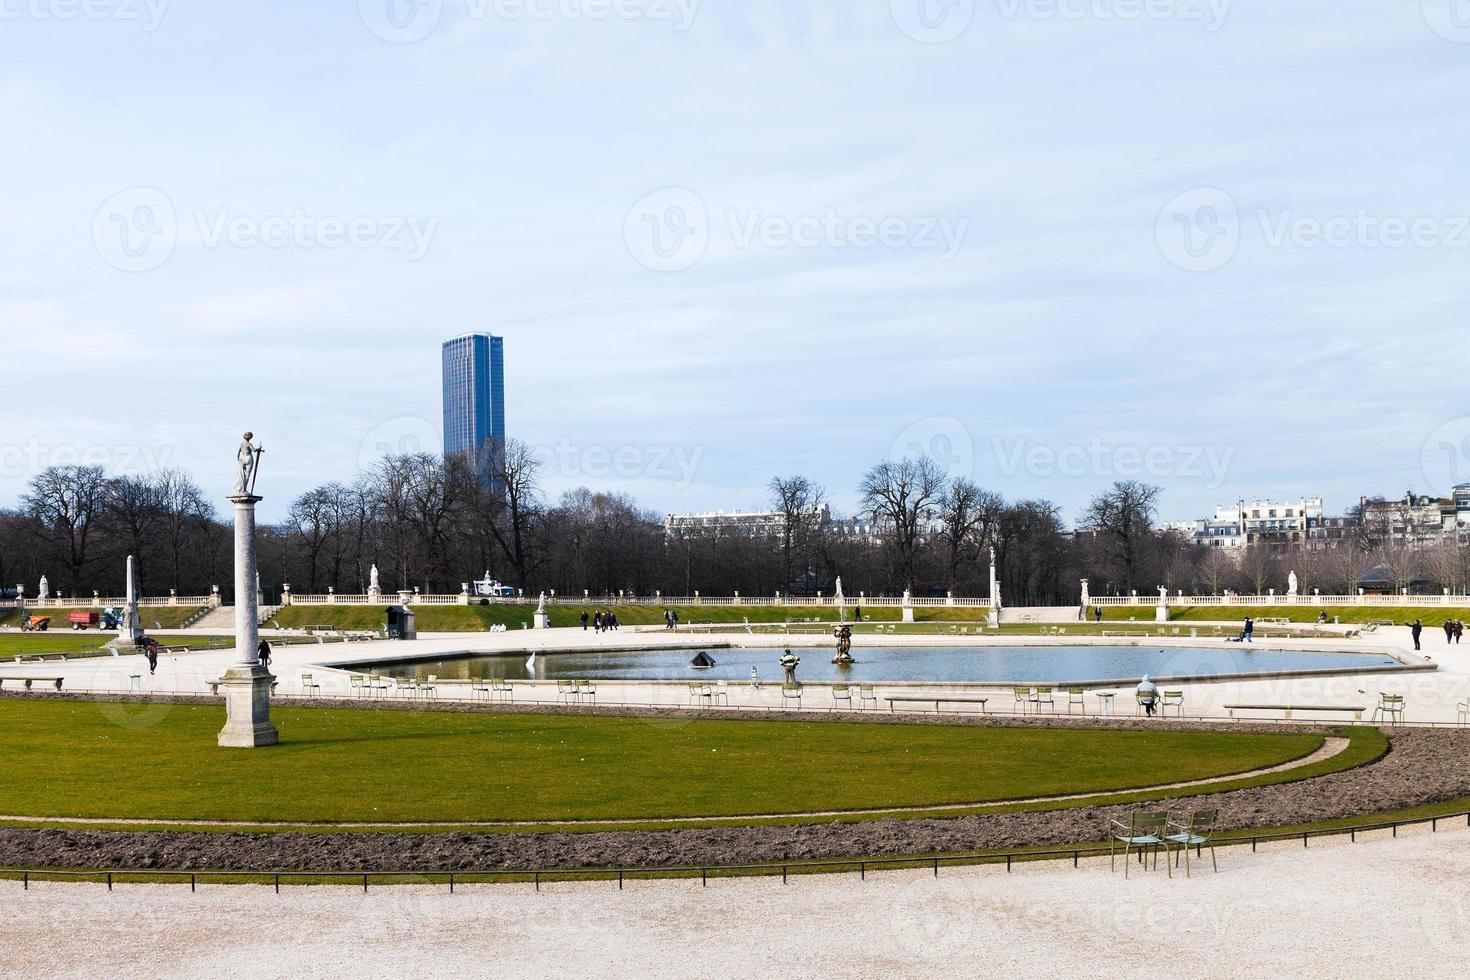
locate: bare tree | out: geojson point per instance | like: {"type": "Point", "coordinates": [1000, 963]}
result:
{"type": "Point", "coordinates": [68, 505]}
{"type": "Point", "coordinates": [515, 504]}
{"type": "Point", "coordinates": [969, 516]}
{"type": "Point", "coordinates": [799, 502]}
{"type": "Point", "coordinates": [313, 521]}
{"type": "Point", "coordinates": [902, 497]}
{"type": "Point", "coordinates": [185, 518]}
{"type": "Point", "coordinates": [1122, 521]}
{"type": "Point", "coordinates": [135, 509]}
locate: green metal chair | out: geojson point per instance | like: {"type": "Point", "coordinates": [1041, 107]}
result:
{"type": "Point", "coordinates": [791, 692]}
{"type": "Point", "coordinates": [1075, 699]}
{"type": "Point", "coordinates": [566, 691]}
{"type": "Point", "coordinates": [1044, 697]}
{"type": "Point", "coordinates": [699, 691]}
{"type": "Point", "coordinates": [1024, 697]}
{"type": "Point", "coordinates": [1390, 707]}
{"type": "Point", "coordinates": [867, 695]}
{"type": "Point", "coordinates": [1464, 716]}
{"type": "Point", "coordinates": [1172, 699]}
{"type": "Point", "coordinates": [1197, 832]}
{"type": "Point", "coordinates": [1144, 830]}
{"type": "Point", "coordinates": [841, 693]}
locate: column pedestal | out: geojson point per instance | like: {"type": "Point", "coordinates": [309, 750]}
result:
{"type": "Point", "coordinates": [541, 620]}
{"type": "Point", "coordinates": [247, 691]}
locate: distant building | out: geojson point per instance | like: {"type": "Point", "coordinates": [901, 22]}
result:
{"type": "Point", "coordinates": [1258, 522]}
{"type": "Point", "coordinates": [772, 523]}
{"type": "Point", "coordinates": [1417, 520]}
{"type": "Point", "coordinates": [474, 400]}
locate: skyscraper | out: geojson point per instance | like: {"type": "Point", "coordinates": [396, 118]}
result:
{"type": "Point", "coordinates": [474, 400]}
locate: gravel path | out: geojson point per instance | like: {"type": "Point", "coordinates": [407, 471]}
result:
{"type": "Point", "coordinates": [1380, 907]}
{"type": "Point", "coordinates": [1423, 766]}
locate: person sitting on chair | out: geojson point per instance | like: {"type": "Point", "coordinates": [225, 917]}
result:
{"type": "Point", "coordinates": [1148, 695]}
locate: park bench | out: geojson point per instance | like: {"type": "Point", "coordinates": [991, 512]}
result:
{"type": "Point", "coordinates": [935, 700]}
{"type": "Point", "coordinates": [1288, 709]}
{"type": "Point", "coordinates": [53, 681]}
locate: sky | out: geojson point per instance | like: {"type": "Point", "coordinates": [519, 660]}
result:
{"type": "Point", "coordinates": [1218, 246]}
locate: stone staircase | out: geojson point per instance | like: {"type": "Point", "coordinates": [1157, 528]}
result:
{"type": "Point", "coordinates": [219, 618]}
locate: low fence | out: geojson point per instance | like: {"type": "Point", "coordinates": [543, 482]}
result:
{"type": "Point", "coordinates": [108, 602]}
{"type": "Point", "coordinates": [416, 599]}
{"type": "Point", "coordinates": [1312, 600]}
{"type": "Point", "coordinates": [537, 876]}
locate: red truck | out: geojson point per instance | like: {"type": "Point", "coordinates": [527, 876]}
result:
{"type": "Point", "coordinates": [83, 620]}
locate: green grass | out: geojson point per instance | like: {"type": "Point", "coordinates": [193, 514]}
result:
{"type": "Point", "coordinates": [159, 761]}
{"type": "Point", "coordinates": [171, 617]}
{"type": "Point", "coordinates": [89, 643]}
{"type": "Point", "coordinates": [452, 619]}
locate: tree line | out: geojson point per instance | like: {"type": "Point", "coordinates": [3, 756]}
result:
{"type": "Point", "coordinates": [433, 523]}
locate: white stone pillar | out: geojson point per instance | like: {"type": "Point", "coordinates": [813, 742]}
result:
{"type": "Point", "coordinates": [247, 685]}
{"type": "Point", "coordinates": [992, 616]}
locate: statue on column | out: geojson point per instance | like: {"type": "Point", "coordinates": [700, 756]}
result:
{"type": "Point", "coordinates": [247, 461]}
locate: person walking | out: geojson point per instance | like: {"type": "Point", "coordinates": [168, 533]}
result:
{"type": "Point", "coordinates": [263, 654]}
{"type": "Point", "coordinates": [584, 620]}
{"type": "Point", "coordinates": [857, 614]}
{"type": "Point", "coordinates": [1097, 612]}
{"type": "Point", "coordinates": [1459, 632]}
{"type": "Point", "coordinates": [597, 621]}
{"type": "Point", "coordinates": [1417, 631]}
{"type": "Point", "coordinates": [674, 617]}
{"type": "Point", "coordinates": [1449, 632]}
{"type": "Point", "coordinates": [150, 650]}
{"type": "Point", "coordinates": [1250, 630]}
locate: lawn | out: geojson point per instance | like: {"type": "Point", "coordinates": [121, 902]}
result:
{"type": "Point", "coordinates": [89, 643]}
{"type": "Point", "coordinates": [84, 759]}
{"type": "Point", "coordinates": [451, 619]}
{"type": "Point", "coordinates": [153, 617]}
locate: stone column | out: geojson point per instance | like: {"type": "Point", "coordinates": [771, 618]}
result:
{"type": "Point", "coordinates": [992, 618]}
{"type": "Point", "coordinates": [246, 685]}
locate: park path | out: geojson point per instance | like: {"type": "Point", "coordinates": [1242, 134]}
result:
{"type": "Point", "coordinates": [1378, 907]}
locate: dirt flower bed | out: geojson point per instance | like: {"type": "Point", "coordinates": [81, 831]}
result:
{"type": "Point", "coordinates": [1422, 766]}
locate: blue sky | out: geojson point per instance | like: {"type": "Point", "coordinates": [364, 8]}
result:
{"type": "Point", "coordinates": [1220, 246]}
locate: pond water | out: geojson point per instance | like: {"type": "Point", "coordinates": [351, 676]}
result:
{"type": "Point", "coordinates": [944, 664]}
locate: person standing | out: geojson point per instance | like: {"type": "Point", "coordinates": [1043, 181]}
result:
{"type": "Point", "coordinates": [1250, 630]}
{"type": "Point", "coordinates": [858, 614]}
{"type": "Point", "coordinates": [1097, 612]}
{"type": "Point", "coordinates": [263, 654]}
{"type": "Point", "coordinates": [584, 620]}
{"type": "Point", "coordinates": [1417, 631]}
{"type": "Point", "coordinates": [597, 621]}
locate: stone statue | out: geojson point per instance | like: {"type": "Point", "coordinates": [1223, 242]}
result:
{"type": "Point", "coordinates": [1163, 595]}
{"type": "Point", "coordinates": [844, 645]}
{"type": "Point", "coordinates": [908, 598]}
{"type": "Point", "coordinates": [541, 607]}
{"type": "Point", "coordinates": [45, 590]}
{"type": "Point", "coordinates": [247, 459]}
{"type": "Point", "coordinates": [373, 585]}
{"type": "Point", "coordinates": [1291, 584]}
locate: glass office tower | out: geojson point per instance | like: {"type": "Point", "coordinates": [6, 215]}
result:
{"type": "Point", "coordinates": [474, 400]}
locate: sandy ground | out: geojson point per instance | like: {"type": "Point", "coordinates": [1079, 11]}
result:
{"type": "Point", "coordinates": [1376, 908]}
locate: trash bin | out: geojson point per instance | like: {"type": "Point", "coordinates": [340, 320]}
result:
{"type": "Point", "coordinates": [400, 623]}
